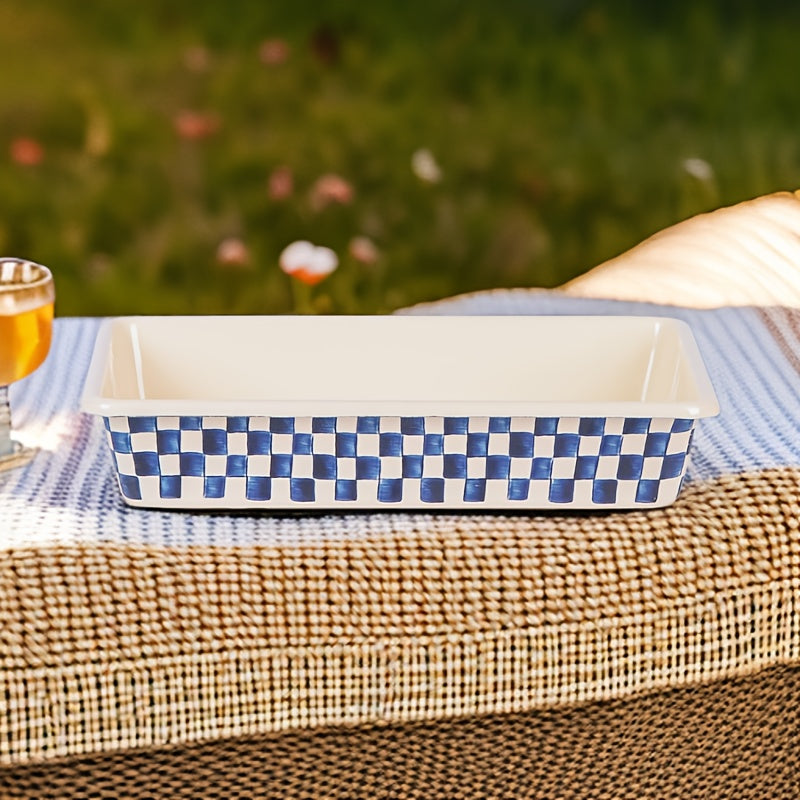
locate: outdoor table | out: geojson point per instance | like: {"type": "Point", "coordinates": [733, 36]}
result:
{"type": "Point", "coordinates": [146, 654]}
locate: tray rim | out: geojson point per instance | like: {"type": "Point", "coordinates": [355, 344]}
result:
{"type": "Point", "coordinates": [94, 402]}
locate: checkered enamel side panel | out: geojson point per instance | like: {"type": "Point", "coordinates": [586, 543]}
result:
{"type": "Point", "coordinates": [497, 461]}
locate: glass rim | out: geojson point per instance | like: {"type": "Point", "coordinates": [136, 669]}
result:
{"type": "Point", "coordinates": [15, 286]}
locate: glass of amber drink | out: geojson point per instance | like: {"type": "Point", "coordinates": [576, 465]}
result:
{"type": "Point", "coordinates": [26, 323]}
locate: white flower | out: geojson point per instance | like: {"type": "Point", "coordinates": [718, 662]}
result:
{"type": "Point", "coordinates": [308, 262]}
{"type": "Point", "coordinates": [425, 167]}
{"type": "Point", "coordinates": [699, 168]}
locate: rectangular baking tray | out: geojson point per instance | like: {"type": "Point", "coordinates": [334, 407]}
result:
{"type": "Point", "coordinates": [398, 412]}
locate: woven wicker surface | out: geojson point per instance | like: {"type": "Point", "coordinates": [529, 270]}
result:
{"type": "Point", "coordinates": [127, 629]}
{"type": "Point", "coordinates": [734, 740]}
{"type": "Point", "coordinates": [114, 647]}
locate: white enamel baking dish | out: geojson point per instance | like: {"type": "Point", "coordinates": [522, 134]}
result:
{"type": "Point", "coordinates": [398, 412]}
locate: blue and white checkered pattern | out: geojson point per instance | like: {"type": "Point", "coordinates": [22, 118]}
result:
{"type": "Point", "coordinates": [418, 461]}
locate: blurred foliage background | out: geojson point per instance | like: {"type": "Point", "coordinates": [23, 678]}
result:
{"type": "Point", "coordinates": [160, 156]}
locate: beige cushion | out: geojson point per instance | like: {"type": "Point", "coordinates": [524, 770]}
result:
{"type": "Point", "coordinates": [747, 254]}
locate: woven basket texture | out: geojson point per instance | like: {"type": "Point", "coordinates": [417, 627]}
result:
{"type": "Point", "coordinates": [737, 739]}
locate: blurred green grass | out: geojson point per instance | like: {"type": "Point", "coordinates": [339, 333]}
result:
{"type": "Point", "coordinates": [562, 130]}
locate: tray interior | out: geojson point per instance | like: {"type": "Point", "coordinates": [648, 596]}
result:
{"type": "Point", "coordinates": [397, 359]}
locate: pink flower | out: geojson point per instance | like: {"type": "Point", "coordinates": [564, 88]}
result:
{"type": "Point", "coordinates": [364, 250]}
{"type": "Point", "coordinates": [26, 152]}
{"type": "Point", "coordinates": [307, 262]}
{"type": "Point", "coordinates": [281, 183]}
{"type": "Point", "coordinates": [273, 52]}
{"type": "Point", "coordinates": [233, 252]}
{"type": "Point", "coordinates": [194, 125]}
{"type": "Point", "coordinates": [329, 189]}
{"type": "Point", "coordinates": [196, 59]}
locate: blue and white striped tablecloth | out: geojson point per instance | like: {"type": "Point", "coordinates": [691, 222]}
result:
{"type": "Point", "coordinates": [751, 355]}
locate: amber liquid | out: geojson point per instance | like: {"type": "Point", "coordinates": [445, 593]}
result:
{"type": "Point", "coordinates": [24, 342]}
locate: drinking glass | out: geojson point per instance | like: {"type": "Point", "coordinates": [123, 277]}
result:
{"type": "Point", "coordinates": [26, 323]}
